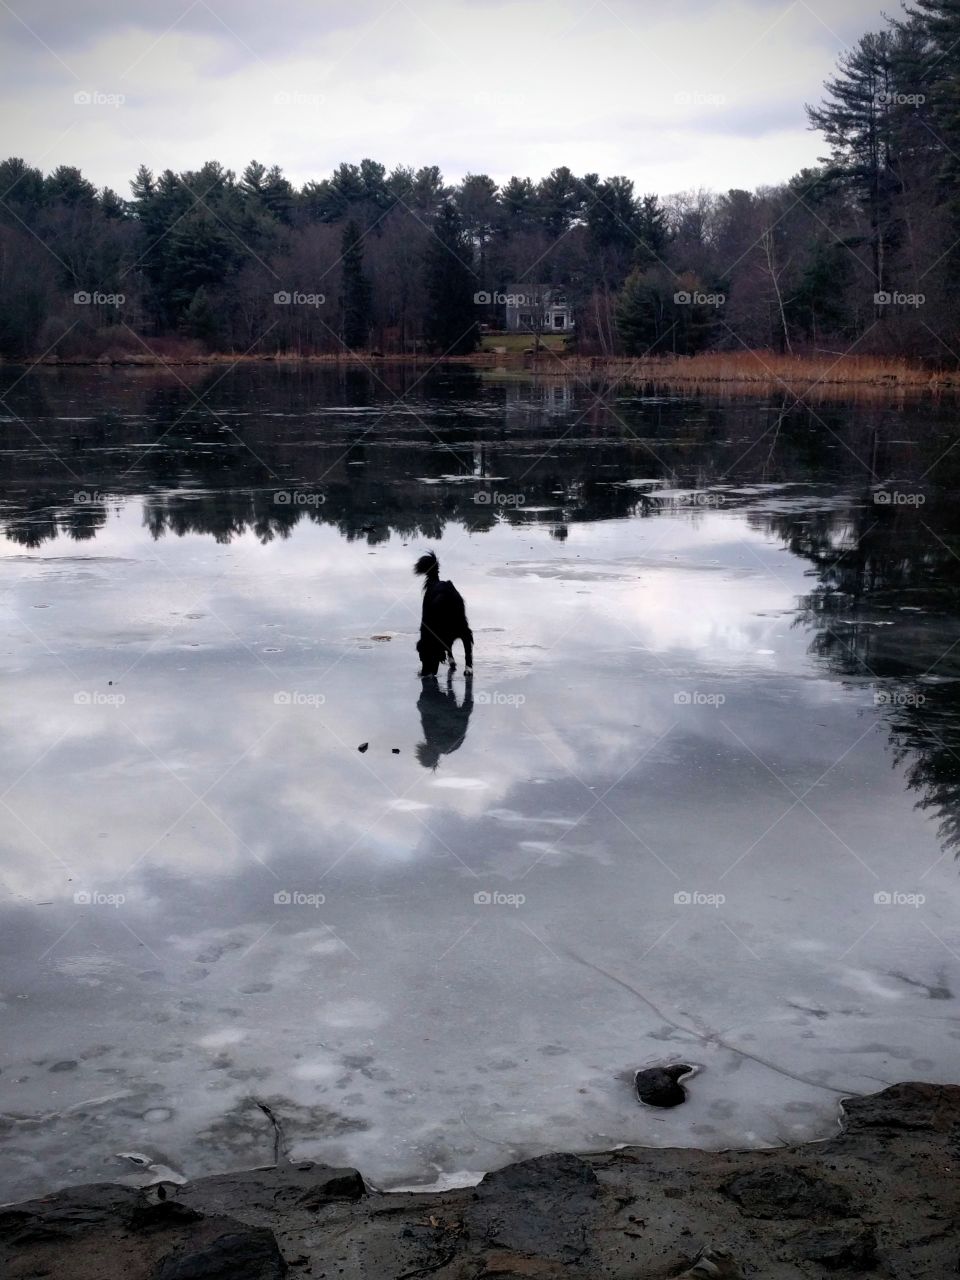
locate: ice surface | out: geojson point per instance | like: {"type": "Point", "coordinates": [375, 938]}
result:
{"type": "Point", "coordinates": [659, 834]}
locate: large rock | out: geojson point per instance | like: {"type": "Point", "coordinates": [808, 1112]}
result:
{"type": "Point", "coordinates": [843, 1249]}
{"type": "Point", "coordinates": [110, 1232]}
{"type": "Point", "coordinates": [661, 1087]}
{"type": "Point", "coordinates": [922, 1108]}
{"type": "Point", "coordinates": [284, 1187]}
{"type": "Point", "coordinates": [787, 1193]}
{"type": "Point", "coordinates": [67, 1214]}
{"type": "Point", "coordinates": [545, 1206]}
{"type": "Point", "coordinates": [249, 1253]}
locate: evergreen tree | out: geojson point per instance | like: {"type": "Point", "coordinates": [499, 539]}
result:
{"type": "Point", "coordinates": [652, 232]}
{"type": "Point", "coordinates": [559, 199]}
{"type": "Point", "coordinates": [641, 313]}
{"type": "Point", "coordinates": [112, 205]}
{"type": "Point", "coordinates": [612, 222]}
{"type": "Point", "coordinates": [278, 195]}
{"type": "Point", "coordinates": [656, 313]}
{"type": "Point", "coordinates": [355, 290]}
{"type": "Point", "coordinates": [199, 252]}
{"type": "Point", "coordinates": [429, 192]}
{"type": "Point", "coordinates": [612, 214]}
{"type": "Point", "coordinates": [201, 320]}
{"type": "Point", "coordinates": [451, 321]}
{"type": "Point", "coordinates": [253, 179]}
{"type": "Point", "coordinates": [817, 304]}
{"type": "Point", "coordinates": [21, 192]}
{"type": "Point", "coordinates": [479, 208]}
{"type": "Point", "coordinates": [858, 121]}
{"type": "Point", "coordinates": [930, 62]}
{"type": "Point", "coordinates": [68, 187]}
{"type": "Point", "coordinates": [519, 201]}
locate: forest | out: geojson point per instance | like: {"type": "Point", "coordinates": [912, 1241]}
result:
{"type": "Point", "coordinates": [860, 253]}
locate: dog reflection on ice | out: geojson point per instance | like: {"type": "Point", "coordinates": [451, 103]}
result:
{"type": "Point", "coordinates": [444, 720]}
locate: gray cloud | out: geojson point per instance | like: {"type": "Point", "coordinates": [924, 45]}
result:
{"type": "Point", "coordinates": [263, 28]}
{"type": "Point", "coordinates": [424, 81]}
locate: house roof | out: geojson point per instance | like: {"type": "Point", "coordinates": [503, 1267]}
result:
{"type": "Point", "coordinates": [546, 294]}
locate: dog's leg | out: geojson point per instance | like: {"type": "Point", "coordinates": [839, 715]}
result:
{"type": "Point", "coordinates": [429, 658]}
{"type": "Point", "coordinates": [468, 652]}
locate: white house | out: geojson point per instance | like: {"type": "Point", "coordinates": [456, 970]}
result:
{"type": "Point", "coordinates": [538, 308]}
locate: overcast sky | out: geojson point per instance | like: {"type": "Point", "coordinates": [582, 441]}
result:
{"type": "Point", "coordinates": [674, 95]}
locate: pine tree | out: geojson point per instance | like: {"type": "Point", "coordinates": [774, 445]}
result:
{"type": "Point", "coordinates": [930, 57]}
{"type": "Point", "coordinates": [355, 290]}
{"type": "Point", "coordinates": [112, 205]}
{"type": "Point", "coordinates": [68, 187]}
{"type": "Point", "coordinates": [201, 320]}
{"type": "Point", "coordinates": [519, 201]}
{"type": "Point", "coordinates": [21, 192]}
{"type": "Point", "coordinates": [199, 252]}
{"type": "Point", "coordinates": [817, 304]}
{"type": "Point", "coordinates": [858, 121]}
{"type": "Point", "coordinates": [429, 193]}
{"type": "Point", "coordinates": [560, 199]}
{"type": "Point", "coordinates": [640, 314]}
{"type": "Point", "coordinates": [278, 195]}
{"type": "Point", "coordinates": [652, 319]}
{"type": "Point", "coordinates": [652, 232]}
{"type": "Point", "coordinates": [253, 179]}
{"type": "Point", "coordinates": [451, 321]}
{"type": "Point", "coordinates": [936, 69]}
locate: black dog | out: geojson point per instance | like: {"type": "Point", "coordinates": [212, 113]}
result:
{"type": "Point", "coordinates": [444, 620]}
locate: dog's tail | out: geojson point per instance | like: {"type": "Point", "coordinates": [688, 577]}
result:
{"type": "Point", "coordinates": [428, 563]}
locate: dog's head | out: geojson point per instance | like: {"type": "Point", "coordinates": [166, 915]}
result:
{"type": "Point", "coordinates": [427, 564]}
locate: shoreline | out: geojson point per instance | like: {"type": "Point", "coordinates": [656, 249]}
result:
{"type": "Point", "coordinates": [877, 1198]}
{"type": "Point", "coordinates": [731, 372]}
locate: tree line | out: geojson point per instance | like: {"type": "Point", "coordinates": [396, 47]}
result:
{"type": "Point", "coordinates": [860, 252]}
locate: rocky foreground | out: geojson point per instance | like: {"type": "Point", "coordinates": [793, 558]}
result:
{"type": "Point", "coordinates": [880, 1199]}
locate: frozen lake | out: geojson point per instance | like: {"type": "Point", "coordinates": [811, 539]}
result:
{"type": "Point", "coordinates": [699, 802]}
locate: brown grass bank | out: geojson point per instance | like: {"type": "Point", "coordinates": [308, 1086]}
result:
{"type": "Point", "coordinates": [825, 375]}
